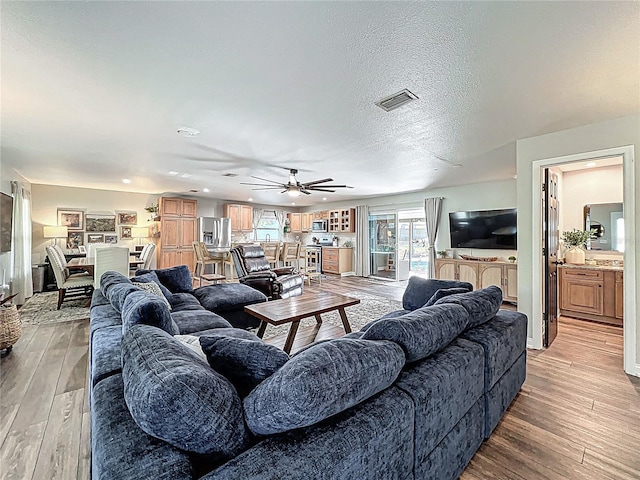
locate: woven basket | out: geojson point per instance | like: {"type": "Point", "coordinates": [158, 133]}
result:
{"type": "Point", "coordinates": [10, 326]}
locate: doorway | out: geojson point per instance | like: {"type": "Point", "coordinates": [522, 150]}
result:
{"type": "Point", "coordinates": [413, 245]}
{"type": "Point", "coordinates": [382, 245]}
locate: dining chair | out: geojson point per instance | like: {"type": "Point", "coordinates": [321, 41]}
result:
{"type": "Point", "coordinates": [290, 254]}
{"type": "Point", "coordinates": [114, 259]}
{"type": "Point", "coordinates": [147, 256]}
{"type": "Point", "coordinates": [69, 285]}
{"type": "Point", "coordinates": [204, 258]}
{"type": "Point", "coordinates": [272, 252]}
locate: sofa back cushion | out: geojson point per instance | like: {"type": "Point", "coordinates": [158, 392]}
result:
{"type": "Point", "coordinates": [444, 292]}
{"type": "Point", "coordinates": [176, 279]}
{"type": "Point", "coordinates": [117, 293]}
{"type": "Point", "coordinates": [140, 307]}
{"type": "Point", "coordinates": [482, 305]}
{"type": "Point", "coordinates": [322, 381]}
{"type": "Point", "coordinates": [245, 363]}
{"type": "Point", "coordinates": [420, 290]}
{"type": "Point", "coordinates": [175, 396]}
{"type": "Point", "coordinates": [421, 332]}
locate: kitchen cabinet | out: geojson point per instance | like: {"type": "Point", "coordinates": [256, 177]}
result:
{"type": "Point", "coordinates": [481, 274]}
{"type": "Point", "coordinates": [342, 221]}
{"type": "Point", "coordinates": [178, 230]}
{"type": "Point", "coordinates": [322, 215]}
{"type": "Point", "coordinates": [460, 270]}
{"type": "Point", "coordinates": [591, 293]}
{"type": "Point", "coordinates": [337, 260]}
{"type": "Point", "coordinates": [241, 217]}
{"type": "Point", "coordinates": [307, 221]}
{"type": "Point", "coordinates": [295, 221]}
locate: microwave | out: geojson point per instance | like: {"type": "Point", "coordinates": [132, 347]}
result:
{"type": "Point", "coordinates": [319, 226]}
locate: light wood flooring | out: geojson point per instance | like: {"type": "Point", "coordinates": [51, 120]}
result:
{"type": "Point", "coordinates": [577, 416]}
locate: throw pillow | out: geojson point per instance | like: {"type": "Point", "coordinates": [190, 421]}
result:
{"type": "Point", "coordinates": [173, 395]}
{"type": "Point", "coordinates": [154, 289]}
{"type": "Point", "coordinates": [320, 382]}
{"type": "Point", "coordinates": [176, 279]}
{"type": "Point", "coordinates": [192, 343]}
{"type": "Point", "coordinates": [245, 363]}
{"type": "Point", "coordinates": [443, 292]}
{"type": "Point", "coordinates": [421, 332]}
{"type": "Point", "coordinates": [482, 305]}
{"type": "Point", "coordinates": [152, 277]}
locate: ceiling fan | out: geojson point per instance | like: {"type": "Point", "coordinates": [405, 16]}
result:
{"type": "Point", "coordinates": [294, 188]}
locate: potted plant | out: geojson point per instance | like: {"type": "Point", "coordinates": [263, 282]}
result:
{"type": "Point", "coordinates": [442, 253]}
{"type": "Point", "coordinates": [10, 325]}
{"type": "Point", "coordinates": [574, 240]}
{"type": "Point", "coordinates": [153, 210]}
{"type": "Point", "coordinates": [512, 259]}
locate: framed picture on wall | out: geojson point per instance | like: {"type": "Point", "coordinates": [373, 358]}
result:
{"type": "Point", "coordinates": [82, 249]}
{"type": "Point", "coordinates": [95, 238]}
{"type": "Point", "coordinates": [125, 233]}
{"type": "Point", "coordinates": [75, 239]}
{"type": "Point", "coordinates": [100, 223]}
{"type": "Point", "coordinates": [111, 239]}
{"type": "Point", "coordinates": [127, 218]}
{"type": "Point", "coordinates": [72, 219]}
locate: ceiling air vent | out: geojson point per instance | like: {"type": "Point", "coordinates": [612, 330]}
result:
{"type": "Point", "coordinates": [396, 100]}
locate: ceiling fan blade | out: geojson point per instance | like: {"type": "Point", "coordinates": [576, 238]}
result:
{"type": "Point", "coordinates": [319, 181]}
{"type": "Point", "coordinates": [266, 180]}
{"type": "Point", "coordinates": [268, 188]}
{"type": "Point", "coordinates": [279, 185]}
{"type": "Point", "coordinates": [330, 186]}
{"type": "Point", "coordinates": [306, 192]}
{"type": "Point", "coordinates": [318, 189]}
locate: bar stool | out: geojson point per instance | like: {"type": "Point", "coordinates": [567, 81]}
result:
{"type": "Point", "coordinates": [312, 265]}
{"type": "Point", "coordinates": [290, 253]}
{"type": "Point", "coordinates": [272, 252]}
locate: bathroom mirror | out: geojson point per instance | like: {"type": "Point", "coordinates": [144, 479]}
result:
{"type": "Point", "coordinates": [607, 226]}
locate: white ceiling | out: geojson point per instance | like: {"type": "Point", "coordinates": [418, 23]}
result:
{"type": "Point", "coordinates": [93, 92]}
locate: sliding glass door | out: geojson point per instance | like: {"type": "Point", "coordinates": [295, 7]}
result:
{"type": "Point", "coordinates": [413, 247]}
{"type": "Point", "coordinates": [382, 246]}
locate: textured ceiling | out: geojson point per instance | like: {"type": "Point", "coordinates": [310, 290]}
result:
{"type": "Point", "coordinates": [94, 92]}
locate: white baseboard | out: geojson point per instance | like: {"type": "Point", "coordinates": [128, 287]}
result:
{"type": "Point", "coordinates": [530, 344]}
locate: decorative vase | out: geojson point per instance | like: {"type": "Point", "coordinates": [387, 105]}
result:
{"type": "Point", "coordinates": [575, 256]}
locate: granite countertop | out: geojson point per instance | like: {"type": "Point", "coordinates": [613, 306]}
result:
{"type": "Point", "coordinates": [614, 268]}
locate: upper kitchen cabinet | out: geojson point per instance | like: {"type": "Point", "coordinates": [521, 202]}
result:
{"type": "Point", "coordinates": [241, 217]}
{"type": "Point", "coordinates": [342, 221]}
{"type": "Point", "coordinates": [178, 207]}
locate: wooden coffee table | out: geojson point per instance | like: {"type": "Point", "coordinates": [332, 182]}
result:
{"type": "Point", "coordinates": [292, 310]}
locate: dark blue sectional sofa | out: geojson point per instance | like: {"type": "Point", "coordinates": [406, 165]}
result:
{"type": "Point", "coordinates": [410, 396]}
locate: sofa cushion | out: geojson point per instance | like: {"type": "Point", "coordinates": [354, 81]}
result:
{"type": "Point", "coordinates": [227, 332]}
{"type": "Point", "coordinates": [228, 296]}
{"type": "Point", "coordinates": [143, 308]}
{"type": "Point", "coordinates": [184, 301]}
{"type": "Point", "coordinates": [176, 279]}
{"type": "Point", "coordinates": [482, 305]}
{"type": "Point", "coordinates": [421, 332]}
{"type": "Point", "coordinates": [419, 290]}
{"type": "Point", "coordinates": [245, 363]}
{"type": "Point", "coordinates": [98, 299]}
{"type": "Point", "coordinates": [103, 316]}
{"type": "Point", "coordinates": [174, 395]}
{"type": "Point", "coordinates": [152, 277]}
{"type": "Point", "coordinates": [111, 278]}
{"type": "Point", "coordinates": [154, 289]}
{"type": "Point", "coordinates": [320, 382]}
{"type": "Point", "coordinates": [444, 292]}
{"type": "Point", "coordinates": [105, 353]}
{"type": "Point", "coordinates": [190, 321]}
{"type": "Point", "coordinates": [117, 294]}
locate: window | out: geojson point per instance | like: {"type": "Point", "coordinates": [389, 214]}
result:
{"type": "Point", "coordinates": [268, 228]}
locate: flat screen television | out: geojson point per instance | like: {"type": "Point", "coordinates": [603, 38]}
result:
{"type": "Point", "coordinates": [485, 229]}
{"type": "Point", "coordinates": [6, 220]}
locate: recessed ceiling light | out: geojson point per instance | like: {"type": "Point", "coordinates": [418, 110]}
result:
{"type": "Point", "coordinates": [205, 190]}
{"type": "Point", "coordinates": [185, 175]}
{"type": "Point", "coordinates": [188, 132]}
{"type": "Point", "coordinates": [250, 199]}
{"type": "Point", "coordinates": [293, 203]}
{"type": "Point", "coordinates": [173, 172]}
{"type": "Point", "coordinates": [126, 180]}
{"type": "Point", "coordinates": [515, 176]}
{"type": "Point", "coordinates": [324, 199]}
{"type": "Point", "coordinates": [591, 164]}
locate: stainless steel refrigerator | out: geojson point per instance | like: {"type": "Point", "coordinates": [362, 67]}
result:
{"type": "Point", "coordinates": [215, 233]}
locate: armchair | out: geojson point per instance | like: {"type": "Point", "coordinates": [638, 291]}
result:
{"type": "Point", "coordinates": [253, 269]}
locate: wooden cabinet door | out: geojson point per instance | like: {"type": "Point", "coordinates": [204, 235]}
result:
{"type": "Point", "coordinates": [188, 232]}
{"type": "Point", "coordinates": [189, 208]}
{"type": "Point", "coordinates": [295, 221]}
{"type": "Point", "coordinates": [468, 273]}
{"type": "Point", "coordinates": [490, 275]}
{"type": "Point", "coordinates": [170, 206]}
{"type": "Point", "coordinates": [169, 258]}
{"type": "Point", "coordinates": [170, 232]}
{"type": "Point", "coordinates": [619, 293]}
{"type": "Point", "coordinates": [582, 296]}
{"type": "Point", "coordinates": [233, 213]}
{"type": "Point", "coordinates": [307, 220]}
{"type": "Point", "coordinates": [188, 258]}
{"type": "Point", "coordinates": [246, 218]}
{"type": "Point", "coordinates": [510, 288]}
{"type": "Point", "coordinates": [445, 270]}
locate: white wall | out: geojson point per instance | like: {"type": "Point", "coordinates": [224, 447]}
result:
{"type": "Point", "coordinates": [619, 132]}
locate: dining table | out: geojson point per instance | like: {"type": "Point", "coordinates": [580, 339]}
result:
{"type": "Point", "coordinates": [88, 263]}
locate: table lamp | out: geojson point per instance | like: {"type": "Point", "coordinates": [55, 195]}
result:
{"type": "Point", "coordinates": [54, 232]}
{"type": "Point", "coordinates": [140, 233]}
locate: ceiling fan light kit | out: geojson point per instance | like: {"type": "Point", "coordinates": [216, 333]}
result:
{"type": "Point", "coordinates": [294, 188]}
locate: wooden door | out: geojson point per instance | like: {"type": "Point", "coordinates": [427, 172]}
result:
{"type": "Point", "coordinates": [295, 222]}
{"type": "Point", "coordinates": [550, 256]}
{"type": "Point", "coordinates": [582, 296]}
{"type": "Point", "coordinates": [169, 258]}
{"type": "Point", "coordinates": [189, 208]}
{"type": "Point", "coordinates": [510, 288]}
{"type": "Point", "coordinates": [169, 206]}
{"type": "Point", "coordinates": [188, 258]}
{"type": "Point", "coordinates": [246, 218]}
{"type": "Point", "coordinates": [188, 232]}
{"type": "Point", "coordinates": [170, 232]}
{"type": "Point", "coordinates": [468, 273]}
{"type": "Point", "coordinates": [445, 269]}
{"type": "Point", "coordinates": [233, 213]}
{"type": "Point", "coordinates": [619, 295]}
{"type": "Point", "coordinates": [307, 220]}
{"type": "Point", "coordinates": [490, 275]}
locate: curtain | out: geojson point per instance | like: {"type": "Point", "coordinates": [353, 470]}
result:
{"type": "Point", "coordinates": [21, 282]}
{"type": "Point", "coordinates": [432, 208]}
{"type": "Point", "coordinates": [363, 268]}
{"type": "Point", "coordinates": [280, 215]}
{"type": "Point", "coordinates": [257, 215]}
